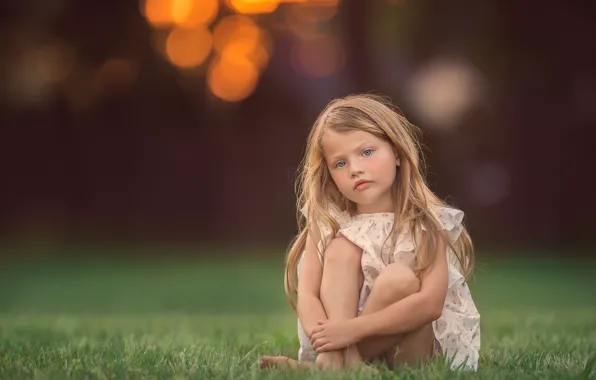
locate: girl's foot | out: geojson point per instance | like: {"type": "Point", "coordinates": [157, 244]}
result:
{"type": "Point", "coordinates": [330, 360]}
{"type": "Point", "coordinates": [282, 362]}
{"type": "Point", "coordinates": [354, 361]}
{"type": "Point", "coordinates": [352, 357]}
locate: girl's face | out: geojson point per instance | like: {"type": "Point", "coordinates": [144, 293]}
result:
{"type": "Point", "coordinates": [363, 168]}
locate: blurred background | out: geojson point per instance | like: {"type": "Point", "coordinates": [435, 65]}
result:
{"type": "Point", "coordinates": [174, 128]}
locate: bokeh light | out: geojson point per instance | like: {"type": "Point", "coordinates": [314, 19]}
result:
{"type": "Point", "coordinates": [261, 55]}
{"type": "Point", "coordinates": [193, 13]}
{"type": "Point", "coordinates": [232, 79]}
{"type": "Point", "coordinates": [254, 6]}
{"type": "Point", "coordinates": [237, 30]}
{"type": "Point", "coordinates": [318, 57]}
{"type": "Point", "coordinates": [184, 13]}
{"type": "Point", "coordinates": [159, 12]}
{"type": "Point", "coordinates": [188, 48]}
{"type": "Point", "coordinates": [305, 18]}
{"type": "Point", "coordinates": [56, 62]}
{"type": "Point", "coordinates": [313, 10]}
{"type": "Point", "coordinates": [239, 43]}
{"type": "Point", "coordinates": [443, 91]}
{"type": "Point", "coordinates": [35, 71]}
{"type": "Point", "coordinates": [181, 10]}
{"type": "Point", "coordinates": [239, 36]}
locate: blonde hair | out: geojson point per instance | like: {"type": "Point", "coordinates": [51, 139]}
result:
{"type": "Point", "coordinates": [415, 203]}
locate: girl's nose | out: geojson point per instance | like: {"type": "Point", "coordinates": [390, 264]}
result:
{"type": "Point", "coordinates": [355, 170]}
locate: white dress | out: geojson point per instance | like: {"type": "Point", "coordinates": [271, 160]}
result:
{"type": "Point", "coordinates": [458, 328]}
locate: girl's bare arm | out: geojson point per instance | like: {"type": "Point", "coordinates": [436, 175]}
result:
{"type": "Point", "coordinates": [415, 310]}
{"type": "Point", "coordinates": [310, 309]}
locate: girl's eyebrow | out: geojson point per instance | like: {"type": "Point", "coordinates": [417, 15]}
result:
{"type": "Point", "coordinates": [364, 143]}
{"type": "Point", "coordinates": [358, 147]}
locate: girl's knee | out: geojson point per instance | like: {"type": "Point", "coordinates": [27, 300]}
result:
{"type": "Point", "coordinates": [397, 281]}
{"type": "Point", "coordinates": [341, 249]}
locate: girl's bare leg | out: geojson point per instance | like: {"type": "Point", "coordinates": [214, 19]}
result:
{"type": "Point", "coordinates": [340, 290]}
{"type": "Point", "coordinates": [394, 283]}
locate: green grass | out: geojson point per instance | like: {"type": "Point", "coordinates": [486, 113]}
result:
{"type": "Point", "coordinates": [212, 320]}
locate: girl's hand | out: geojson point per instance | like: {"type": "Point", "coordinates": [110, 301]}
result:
{"type": "Point", "coordinates": [333, 335]}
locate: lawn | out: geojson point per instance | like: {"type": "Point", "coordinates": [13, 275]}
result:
{"type": "Point", "coordinates": [211, 319]}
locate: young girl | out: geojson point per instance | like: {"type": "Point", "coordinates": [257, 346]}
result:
{"type": "Point", "coordinates": [378, 270]}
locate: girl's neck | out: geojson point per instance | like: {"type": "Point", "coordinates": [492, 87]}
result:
{"type": "Point", "coordinates": [383, 206]}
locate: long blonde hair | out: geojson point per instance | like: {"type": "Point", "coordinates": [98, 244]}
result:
{"type": "Point", "coordinates": [414, 202]}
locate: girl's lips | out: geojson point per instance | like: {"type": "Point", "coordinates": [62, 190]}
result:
{"type": "Point", "coordinates": [361, 185]}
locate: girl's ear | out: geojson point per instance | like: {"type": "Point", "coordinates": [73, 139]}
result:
{"type": "Point", "coordinates": [397, 162]}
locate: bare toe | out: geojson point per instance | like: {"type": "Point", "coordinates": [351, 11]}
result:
{"type": "Point", "coordinates": [282, 362]}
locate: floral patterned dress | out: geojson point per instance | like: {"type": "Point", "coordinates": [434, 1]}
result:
{"type": "Point", "coordinates": [458, 328]}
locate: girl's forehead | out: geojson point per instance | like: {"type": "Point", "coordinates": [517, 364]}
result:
{"type": "Point", "coordinates": [333, 142]}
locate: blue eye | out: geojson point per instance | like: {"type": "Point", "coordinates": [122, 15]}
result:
{"type": "Point", "coordinates": [367, 152]}
{"type": "Point", "coordinates": [340, 164]}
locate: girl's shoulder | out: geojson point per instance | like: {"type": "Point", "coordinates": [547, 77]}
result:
{"type": "Point", "coordinates": [449, 217]}
{"type": "Point", "coordinates": [381, 224]}
{"type": "Point", "coordinates": [341, 217]}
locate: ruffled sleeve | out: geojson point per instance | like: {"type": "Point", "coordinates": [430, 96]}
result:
{"type": "Point", "coordinates": [451, 219]}
{"type": "Point", "coordinates": [342, 218]}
